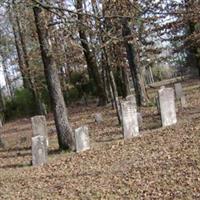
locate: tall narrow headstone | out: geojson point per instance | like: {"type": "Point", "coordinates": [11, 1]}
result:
{"type": "Point", "coordinates": [82, 139]}
{"type": "Point", "coordinates": [183, 102]}
{"type": "Point", "coordinates": [178, 91]}
{"type": "Point", "coordinates": [39, 126]}
{"type": "Point", "coordinates": [180, 95]}
{"type": "Point", "coordinates": [39, 150]}
{"type": "Point", "coordinates": [167, 106]}
{"type": "Point", "coordinates": [129, 120]}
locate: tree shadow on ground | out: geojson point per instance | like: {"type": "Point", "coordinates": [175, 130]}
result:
{"type": "Point", "coordinates": [18, 154]}
{"type": "Point", "coordinates": [15, 149]}
{"type": "Point", "coordinates": [15, 166]}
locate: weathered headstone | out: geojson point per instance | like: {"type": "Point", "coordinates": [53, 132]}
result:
{"type": "Point", "coordinates": [178, 90]}
{"type": "Point", "coordinates": [129, 120]}
{"type": "Point", "coordinates": [167, 106]}
{"type": "Point", "coordinates": [183, 102]}
{"type": "Point", "coordinates": [39, 150]}
{"type": "Point", "coordinates": [98, 118]}
{"type": "Point", "coordinates": [39, 126]}
{"type": "Point", "coordinates": [82, 139]}
{"type": "Point", "coordinates": [180, 95]}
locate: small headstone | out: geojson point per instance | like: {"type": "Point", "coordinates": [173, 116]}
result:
{"type": "Point", "coordinates": [183, 102]}
{"type": "Point", "coordinates": [82, 139]}
{"type": "Point", "coordinates": [167, 106]}
{"type": "Point", "coordinates": [129, 120]}
{"type": "Point", "coordinates": [178, 90]}
{"type": "Point", "coordinates": [39, 126]}
{"type": "Point", "coordinates": [39, 150]}
{"type": "Point", "coordinates": [98, 118]}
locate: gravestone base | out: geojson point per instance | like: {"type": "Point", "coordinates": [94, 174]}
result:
{"type": "Point", "coordinates": [39, 150]}
{"type": "Point", "coordinates": [82, 139]}
{"type": "Point", "coordinates": [167, 106]}
{"type": "Point", "coordinates": [129, 120]}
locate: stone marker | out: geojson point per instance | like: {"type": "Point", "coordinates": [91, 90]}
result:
{"type": "Point", "coordinates": [82, 139]}
{"type": "Point", "coordinates": [98, 118]}
{"type": "Point", "coordinates": [180, 95]}
{"type": "Point", "coordinates": [39, 150]}
{"type": "Point", "coordinates": [129, 120]}
{"type": "Point", "coordinates": [178, 90]}
{"type": "Point", "coordinates": [39, 126]}
{"type": "Point", "coordinates": [183, 102]}
{"type": "Point", "coordinates": [167, 106]}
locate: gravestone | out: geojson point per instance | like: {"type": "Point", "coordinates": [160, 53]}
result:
{"type": "Point", "coordinates": [178, 90]}
{"type": "Point", "coordinates": [167, 106]}
{"type": "Point", "coordinates": [98, 118]}
{"type": "Point", "coordinates": [39, 150]}
{"type": "Point", "coordinates": [82, 139]}
{"type": "Point", "coordinates": [180, 95]}
{"type": "Point", "coordinates": [39, 126]}
{"type": "Point", "coordinates": [129, 120]}
{"type": "Point", "coordinates": [183, 102]}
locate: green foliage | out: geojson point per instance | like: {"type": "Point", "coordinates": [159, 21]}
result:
{"type": "Point", "coordinates": [79, 86]}
{"type": "Point", "coordinates": [161, 73]}
{"type": "Point", "coordinates": [21, 105]}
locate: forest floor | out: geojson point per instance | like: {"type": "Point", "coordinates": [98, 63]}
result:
{"type": "Point", "coordinates": [163, 163]}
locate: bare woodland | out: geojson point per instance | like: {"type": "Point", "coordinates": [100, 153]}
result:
{"type": "Point", "coordinates": [79, 63]}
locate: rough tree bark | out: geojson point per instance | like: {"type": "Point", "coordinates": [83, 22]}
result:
{"type": "Point", "coordinates": [64, 131]}
{"type": "Point", "coordinates": [90, 58]}
{"type": "Point", "coordinates": [134, 68]}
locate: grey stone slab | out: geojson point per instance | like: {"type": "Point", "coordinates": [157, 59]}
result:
{"type": "Point", "coordinates": [82, 139]}
{"type": "Point", "coordinates": [167, 106]}
{"type": "Point", "coordinates": [98, 118]}
{"type": "Point", "coordinates": [183, 102]}
{"type": "Point", "coordinates": [129, 120]}
{"type": "Point", "coordinates": [39, 150]}
{"type": "Point", "coordinates": [178, 90]}
{"type": "Point", "coordinates": [39, 126]}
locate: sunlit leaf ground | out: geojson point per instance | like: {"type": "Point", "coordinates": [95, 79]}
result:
{"type": "Point", "coordinates": [164, 163]}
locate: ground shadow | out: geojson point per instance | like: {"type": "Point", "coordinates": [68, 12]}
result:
{"type": "Point", "coordinates": [15, 149]}
{"type": "Point", "coordinates": [15, 166]}
{"type": "Point", "coordinates": [18, 154]}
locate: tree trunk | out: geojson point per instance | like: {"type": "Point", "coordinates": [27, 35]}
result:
{"type": "Point", "coordinates": [135, 71]}
{"type": "Point", "coordinates": [64, 130]}
{"type": "Point", "coordinates": [90, 59]}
